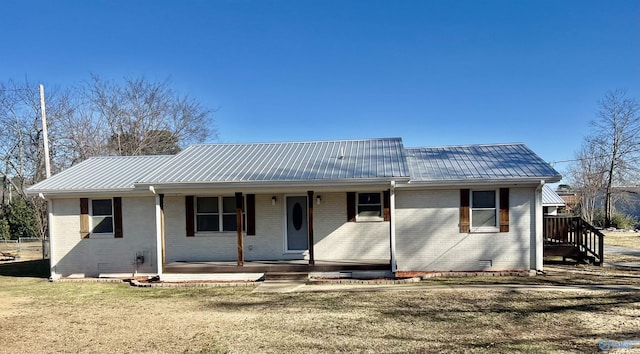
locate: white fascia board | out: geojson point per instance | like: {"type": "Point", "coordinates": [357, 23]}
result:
{"type": "Point", "coordinates": [553, 204]}
{"type": "Point", "coordinates": [478, 182]}
{"type": "Point", "coordinates": [270, 185]}
{"type": "Point", "coordinates": [77, 193]}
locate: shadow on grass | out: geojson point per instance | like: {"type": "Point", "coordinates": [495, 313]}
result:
{"type": "Point", "coordinates": [27, 269]}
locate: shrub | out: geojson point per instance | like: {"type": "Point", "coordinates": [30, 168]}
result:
{"type": "Point", "coordinates": [619, 220]}
{"type": "Point", "coordinates": [5, 232]}
{"type": "Point", "coordinates": [21, 219]}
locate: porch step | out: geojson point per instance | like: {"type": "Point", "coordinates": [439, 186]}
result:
{"type": "Point", "coordinates": [286, 276]}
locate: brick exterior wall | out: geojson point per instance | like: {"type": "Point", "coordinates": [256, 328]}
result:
{"type": "Point", "coordinates": [95, 256]}
{"type": "Point", "coordinates": [335, 239]}
{"type": "Point", "coordinates": [428, 237]}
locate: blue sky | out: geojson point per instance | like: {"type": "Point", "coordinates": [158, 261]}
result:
{"type": "Point", "coordinates": [431, 72]}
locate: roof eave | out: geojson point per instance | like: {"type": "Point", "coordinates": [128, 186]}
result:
{"type": "Point", "coordinates": [275, 184]}
{"type": "Point", "coordinates": [67, 192]}
{"type": "Point", "coordinates": [480, 181]}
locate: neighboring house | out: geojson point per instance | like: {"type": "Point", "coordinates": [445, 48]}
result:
{"type": "Point", "coordinates": [330, 205]}
{"type": "Point", "coordinates": [551, 201]}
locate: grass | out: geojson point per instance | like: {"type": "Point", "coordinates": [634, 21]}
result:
{"type": "Point", "coordinates": [623, 239]}
{"type": "Point", "coordinates": [114, 317]}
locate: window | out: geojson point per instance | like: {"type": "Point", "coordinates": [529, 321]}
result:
{"type": "Point", "coordinates": [229, 222]}
{"type": "Point", "coordinates": [210, 219]}
{"type": "Point", "coordinates": [207, 214]}
{"type": "Point", "coordinates": [484, 213]}
{"type": "Point", "coordinates": [369, 207]}
{"type": "Point", "coordinates": [101, 216]}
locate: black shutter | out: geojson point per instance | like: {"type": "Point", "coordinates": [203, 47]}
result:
{"type": "Point", "coordinates": [189, 215]}
{"type": "Point", "coordinates": [117, 217]}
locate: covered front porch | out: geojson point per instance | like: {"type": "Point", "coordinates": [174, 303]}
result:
{"type": "Point", "coordinates": [279, 231]}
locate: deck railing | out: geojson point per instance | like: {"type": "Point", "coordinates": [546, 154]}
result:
{"type": "Point", "coordinates": [573, 230]}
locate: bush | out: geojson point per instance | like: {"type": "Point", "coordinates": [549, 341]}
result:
{"type": "Point", "coordinates": [619, 220]}
{"type": "Point", "coordinates": [5, 231]}
{"type": "Point", "coordinates": [21, 219]}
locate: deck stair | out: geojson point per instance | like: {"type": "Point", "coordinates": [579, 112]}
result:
{"type": "Point", "coordinates": [572, 237]}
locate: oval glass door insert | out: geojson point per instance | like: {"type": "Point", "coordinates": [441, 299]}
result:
{"type": "Point", "coordinates": [296, 216]}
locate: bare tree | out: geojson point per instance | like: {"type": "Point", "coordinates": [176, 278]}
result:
{"type": "Point", "coordinates": [21, 144]}
{"type": "Point", "coordinates": [616, 142]}
{"type": "Point", "coordinates": [142, 117]}
{"type": "Point", "coordinates": [587, 176]}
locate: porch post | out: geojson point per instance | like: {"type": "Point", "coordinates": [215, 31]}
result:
{"type": "Point", "coordinates": [239, 228]}
{"type": "Point", "coordinates": [392, 225]}
{"type": "Point", "coordinates": [312, 260]}
{"type": "Point", "coordinates": [162, 228]}
{"type": "Point", "coordinates": [159, 232]}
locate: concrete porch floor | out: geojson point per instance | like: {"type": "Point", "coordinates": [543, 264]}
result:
{"type": "Point", "coordinates": [195, 267]}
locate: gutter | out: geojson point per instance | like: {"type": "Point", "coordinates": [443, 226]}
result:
{"type": "Point", "coordinates": [270, 184]}
{"type": "Point", "coordinates": [479, 182]}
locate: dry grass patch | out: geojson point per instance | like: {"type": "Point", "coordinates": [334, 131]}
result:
{"type": "Point", "coordinates": [622, 239]}
{"type": "Point", "coordinates": [113, 317]}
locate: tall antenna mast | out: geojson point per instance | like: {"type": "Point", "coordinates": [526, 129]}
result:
{"type": "Point", "coordinates": [45, 135]}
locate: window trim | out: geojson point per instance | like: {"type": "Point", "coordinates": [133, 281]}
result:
{"type": "Point", "coordinates": [92, 232]}
{"type": "Point", "coordinates": [496, 210]}
{"type": "Point", "coordinates": [220, 214]}
{"type": "Point", "coordinates": [378, 218]}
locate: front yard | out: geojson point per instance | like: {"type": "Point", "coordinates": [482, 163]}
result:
{"type": "Point", "coordinates": [39, 316]}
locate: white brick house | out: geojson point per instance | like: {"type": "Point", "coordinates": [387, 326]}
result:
{"type": "Point", "coordinates": [317, 206]}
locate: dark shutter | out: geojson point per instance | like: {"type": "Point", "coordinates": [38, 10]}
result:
{"type": "Point", "coordinates": [504, 209]}
{"type": "Point", "coordinates": [351, 206]}
{"type": "Point", "coordinates": [464, 211]}
{"type": "Point", "coordinates": [117, 217]}
{"type": "Point", "coordinates": [251, 214]}
{"type": "Point", "coordinates": [84, 217]}
{"type": "Point", "coordinates": [386, 210]}
{"type": "Point", "coordinates": [189, 215]}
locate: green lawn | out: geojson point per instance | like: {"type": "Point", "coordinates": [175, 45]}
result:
{"type": "Point", "coordinates": [39, 316]}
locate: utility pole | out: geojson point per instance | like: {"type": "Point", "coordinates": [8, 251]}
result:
{"type": "Point", "coordinates": [45, 135]}
{"type": "Point", "coordinates": [47, 163]}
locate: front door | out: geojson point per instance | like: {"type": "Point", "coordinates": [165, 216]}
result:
{"type": "Point", "coordinates": [297, 227]}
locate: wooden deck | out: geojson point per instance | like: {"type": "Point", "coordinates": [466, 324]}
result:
{"type": "Point", "coordinates": [277, 266]}
{"type": "Point", "coordinates": [572, 237]}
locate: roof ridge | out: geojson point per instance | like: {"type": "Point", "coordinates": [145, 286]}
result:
{"type": "Point", "coordinates": [295, 142]}
{"type": "Point", "coordinates": [464, 145]}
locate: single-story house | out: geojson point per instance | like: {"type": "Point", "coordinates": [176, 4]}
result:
{"type": "Point", "coordinates": [325, 205]}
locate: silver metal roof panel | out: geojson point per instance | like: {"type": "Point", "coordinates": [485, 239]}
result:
{"type": "Point", "coordinates": [101, 173]}
{"type": "Point", "coordinates": [286, 161]}
{"type": "Point", "coordinates": [477, 162]}
{"type": "Point", "coordinates": [550, 197]}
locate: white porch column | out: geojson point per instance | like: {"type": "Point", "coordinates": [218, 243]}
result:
{"type": "Point", "coordinates": [539, 215]}
{"type": "Point", "coordinates": [159, 236]}
{"type": "Point", "coordinates": [392, 225]}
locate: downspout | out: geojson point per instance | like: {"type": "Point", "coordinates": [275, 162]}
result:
{"type": "Point", "coordinates": [392, 225]}
{"type": "Point", "coordinates": [539, 219]}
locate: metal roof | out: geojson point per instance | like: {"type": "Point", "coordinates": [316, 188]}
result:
{"type": "Point", "coordinates": [477, 162]}
{"type": "Point", "coordinates": [101, 174]}
{"type": "Point", "coordinates": [550, 197]}
{"type": "Point", "coordinates": [340, 160]}
{"type": "Point", "coordinates": [286, 161]}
